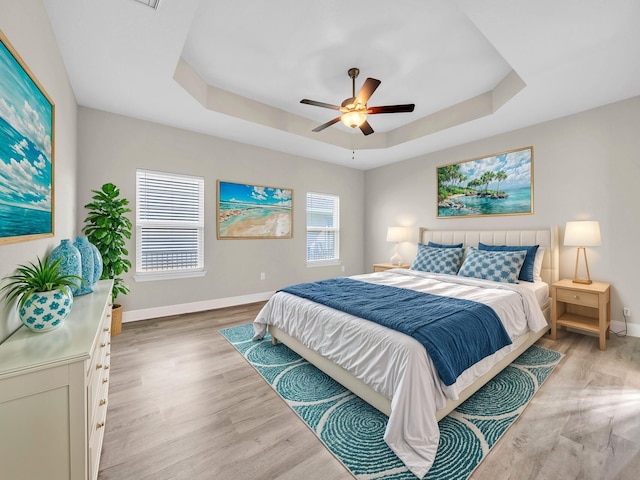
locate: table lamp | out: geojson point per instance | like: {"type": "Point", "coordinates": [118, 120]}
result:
{"type": "Point", "coordinates": [397, 234]}
{"type": "Point", "coordinates": [582, 234]}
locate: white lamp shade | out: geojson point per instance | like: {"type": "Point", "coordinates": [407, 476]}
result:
{"type": "Point", "coordinates": [353, 119]}
{"type": "Point", "coordinates": [582, 234]}
{"type": "Point", "coordinates": [397, 234]}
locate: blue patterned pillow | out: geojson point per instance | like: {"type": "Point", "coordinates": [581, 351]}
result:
{"type": "Point", "coordinates": [496, 266]}
{"type": "Point", "coordinates": [442, 245]}
{"type": "Point", "coordinates": [526, 273]}
{"type": "Point", "coordinates": [437, 260]}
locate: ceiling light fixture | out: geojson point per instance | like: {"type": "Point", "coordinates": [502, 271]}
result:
{"type": "Point", "coordinates": [354, 118]}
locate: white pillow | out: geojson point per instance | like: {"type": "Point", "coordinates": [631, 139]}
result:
{"type": "Point", "coordinates": [537, 265]}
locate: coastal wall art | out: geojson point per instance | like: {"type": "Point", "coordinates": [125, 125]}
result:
{"type": "Point", "coordinates": [254, 211]}
{"type": "Point", "coordinates": [500, 184]}
{"type": "Point", "coordinates": [26, 151]}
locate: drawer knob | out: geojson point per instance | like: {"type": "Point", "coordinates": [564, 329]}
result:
{"type": "Point", "coordinates": [105, 379]}
{"type": "Point", "coordinates": [102, 402]}
{"type": "Point", "coordinates": [106, 367]}
{"type": "Point", "coordinates": [99, 425]}
{"type": "Point", "coordinates": [102, 345]}
{"type": "Point", "coordinates": [98, 366]}
{"type": "Point", "coordinates": [576, 296]}
{"type": "Point", "coordinates": [106, 329]}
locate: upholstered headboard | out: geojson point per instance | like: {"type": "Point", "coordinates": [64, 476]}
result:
{"type": "Point", "coordinates": [547, 238]}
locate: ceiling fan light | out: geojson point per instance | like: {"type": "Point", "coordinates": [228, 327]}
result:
{"type": "Point", "coordinates": [353, 119]}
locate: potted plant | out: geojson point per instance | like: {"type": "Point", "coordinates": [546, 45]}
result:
{"type": "Point", "coordinates": [43, 292]}
{"type": "Point", "coordinates": [107, 227]}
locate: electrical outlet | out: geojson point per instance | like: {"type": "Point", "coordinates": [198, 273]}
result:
{"type": "Point", "coordinates": [263, 275]}
{"type": "Point", "coordinates": [627, 312]}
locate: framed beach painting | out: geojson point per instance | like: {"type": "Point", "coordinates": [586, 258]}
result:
{"type": "Point", "coordinates": [26, 151]}
{"type": "Point", "coordinates": [500, 184]}
{"type": "Point", "coordinates": [254, 211]}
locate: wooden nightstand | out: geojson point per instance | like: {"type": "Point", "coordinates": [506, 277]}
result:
{"type": "Point", "coordinates": [381, 267]}
{"type": "Point", "coordinates": [581, 307]}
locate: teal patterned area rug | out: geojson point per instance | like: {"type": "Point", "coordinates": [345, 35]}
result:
{"type": "Point", "coordinates": [353, 430]}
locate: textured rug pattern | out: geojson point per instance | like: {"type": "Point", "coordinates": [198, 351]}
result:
{"type": "Point", "coordinates": [353, 430]}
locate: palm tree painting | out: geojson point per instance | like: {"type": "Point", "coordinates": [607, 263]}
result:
{"type": "Point", "coordinates": [500, 184]}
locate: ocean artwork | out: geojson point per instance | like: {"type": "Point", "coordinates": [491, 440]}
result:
{"type": "Point", "coordinates": [501, 184]}
{"type": "Point", "coordinates": [254, 211]}
{"type": "Point", "coordinates": [26, 151]}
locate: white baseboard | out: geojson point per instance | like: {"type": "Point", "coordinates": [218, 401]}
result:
{"type": "Point", "coordinates": [633, 329]}
{"type": "Point", "coordinates": [157, 312]}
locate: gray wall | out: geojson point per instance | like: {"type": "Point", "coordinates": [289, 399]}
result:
{"type": "Point", "coordinates": [112, 147]}
{"type": "Point", "coordinates": [586, 167]}
{"type": "Point", "coordinates": [27, 27]}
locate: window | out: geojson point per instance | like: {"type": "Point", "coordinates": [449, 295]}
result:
{"type": "Point", "coordinates": [323, 229]}
{"type": "Point", "coordinates": [169, 225]}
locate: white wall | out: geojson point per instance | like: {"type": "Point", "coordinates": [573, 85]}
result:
{"type": "Point", "coordinates": [586, 167]}
{"type": "Point", "coordinates": [111, 147]}
{"type": "Point", "coordinates": [26, 25]}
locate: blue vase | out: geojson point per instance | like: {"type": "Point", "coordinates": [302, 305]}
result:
{"type": "Point", "coordinates": [71, 263]}
{"type": "Point", "coordinates": [86, 254]}
{"type": "Point", "coordinates": [97, 263]}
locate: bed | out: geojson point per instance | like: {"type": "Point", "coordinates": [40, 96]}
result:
{"type": "Point", "coordinates": [392, 371]}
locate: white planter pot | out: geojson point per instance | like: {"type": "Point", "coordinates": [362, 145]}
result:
{"type": "Point", "coordinates": [44, 311]}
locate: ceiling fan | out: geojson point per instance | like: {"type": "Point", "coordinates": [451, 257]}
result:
{"type": "Point", "coordinates": [354, 110]}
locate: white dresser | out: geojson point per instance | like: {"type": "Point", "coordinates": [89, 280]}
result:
{"type": "Point", "coordinates": [54, 394]}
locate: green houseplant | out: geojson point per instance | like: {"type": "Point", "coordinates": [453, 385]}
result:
{"type": "Point", "coordinates": [43, 293]}
{"type": "Point", "coordinates": [107, 227]}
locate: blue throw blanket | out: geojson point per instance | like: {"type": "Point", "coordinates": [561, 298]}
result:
{"type": "Point", "coordinates": [456, 333]}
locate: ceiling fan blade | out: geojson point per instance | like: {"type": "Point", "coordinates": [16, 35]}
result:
{"type": "Point", "coordinates": [391, 109]}
{"type": "Point", "coordinates": [367, 90]}
{"type": "Point", "coordinates": [328, 124]}
{"type": "Point", "coordinates": [319, 104]}
{"type": "Point", "coordinates": [366, 128]}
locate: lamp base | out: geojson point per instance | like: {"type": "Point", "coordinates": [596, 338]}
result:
{"type": "Point", "coordinates": [584, 281]}
{"type": "Point", "coordinates": [396, 259]}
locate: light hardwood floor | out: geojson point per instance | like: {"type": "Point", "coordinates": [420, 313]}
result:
{"type": "Point", "coordinates": [183, 404]}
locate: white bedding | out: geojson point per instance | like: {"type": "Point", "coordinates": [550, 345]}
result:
{"type": "Point", "coordinates": [394, 364]}
{"type": "Point", "coordinates": [541, 291]}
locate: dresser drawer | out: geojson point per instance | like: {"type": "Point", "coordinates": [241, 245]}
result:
{"type": "Point", "coordinates": [98, 371]}
{"type": "Point", "coordinates": [577, 298]}
{"type": "Point", "coordinates": [97, 392]}
{"type": "Point", "coordinates": [103, 343]}
{"type": "Point", "coordinates": [96, 435]}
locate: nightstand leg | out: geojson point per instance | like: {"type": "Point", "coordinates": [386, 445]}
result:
{"type": "Point", "coordinates": [603, 322]}
{"type": "Point", "coordinates": [554, 316]}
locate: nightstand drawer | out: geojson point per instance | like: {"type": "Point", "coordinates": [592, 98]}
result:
{"type": "Point", "coordinates": [381, 267]}
{"type": "Point", "coordinates": [577, 298]}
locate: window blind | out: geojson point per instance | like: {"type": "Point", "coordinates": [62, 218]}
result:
{"type": "Point", "coordinates": [323, 227]}
{"type": "Point", "coordinates": [169, 222]}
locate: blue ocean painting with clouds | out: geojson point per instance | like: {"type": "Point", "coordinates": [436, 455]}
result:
{"type": "Point", "coordinates": [26, 169]}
